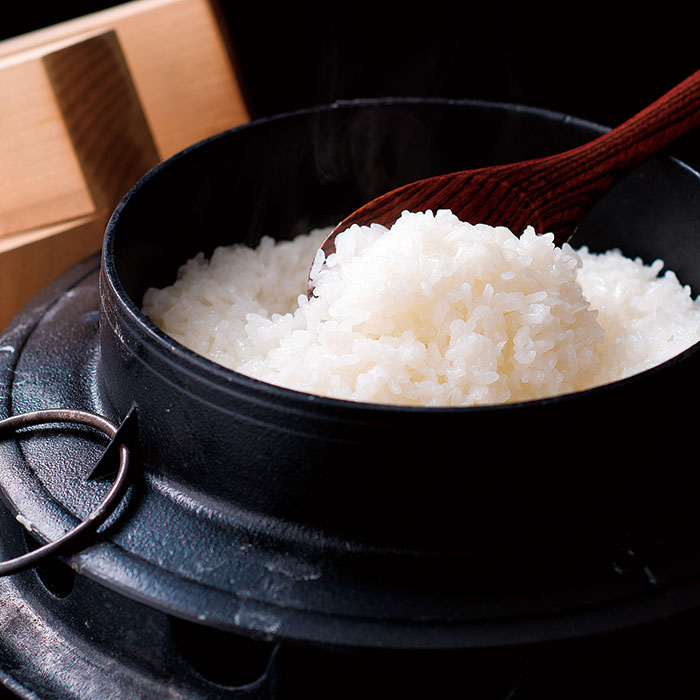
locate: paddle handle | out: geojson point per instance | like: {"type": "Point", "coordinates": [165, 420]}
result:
{"type": "Point", "coordinates": [624, 148]}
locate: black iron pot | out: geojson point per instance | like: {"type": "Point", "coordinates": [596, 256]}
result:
{"type": "Point", "coordinates": [297, 519]}
{"type": "Point", "coordinates": [382, 476]}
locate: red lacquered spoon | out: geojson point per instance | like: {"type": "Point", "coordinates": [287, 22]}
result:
{"type": "Point", "coordinates": [552, 194]}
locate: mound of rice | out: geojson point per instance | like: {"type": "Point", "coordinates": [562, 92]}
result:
{"type": "Point", "coordinates": [432, 311]}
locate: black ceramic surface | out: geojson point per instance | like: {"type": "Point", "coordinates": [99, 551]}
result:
{"type": "Point", "coordinates": [275, 514]}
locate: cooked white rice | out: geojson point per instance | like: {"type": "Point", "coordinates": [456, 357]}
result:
{"type": "Point", "coordinates": [432, 311]}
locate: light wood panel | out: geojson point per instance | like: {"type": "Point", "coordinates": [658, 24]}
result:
{"type": "Point", "coordinates": [31, 259]}
{"type": "Point", "coordinates": [86, 107]}
{"type": "Point", "coordinates": [73, 136]}
{"type": "Point", "coordinates": [180, 61]}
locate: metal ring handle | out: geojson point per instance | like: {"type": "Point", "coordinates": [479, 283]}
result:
{"type": "Point", "coordinates": [100, 513]}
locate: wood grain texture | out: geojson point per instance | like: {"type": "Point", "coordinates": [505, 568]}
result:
{"type": "Point", "coordinates": [40, 176]}
{"type": "Point", "coordinates": [180, 60]}
{"type": "Point", "coordinates": [103, 116]}
{"type": "Point", "coordinates": [73, 137]}
{"type": "Point", "coordinates": [86, 107]}
{"type": "Point", "coordinates": [31, 259]}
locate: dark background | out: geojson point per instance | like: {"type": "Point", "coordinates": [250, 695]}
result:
{"type": "Point", "coordinates": [598, 63]}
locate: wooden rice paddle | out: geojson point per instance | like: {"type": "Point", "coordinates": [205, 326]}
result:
{"type": "Point", "coordinates": [553, 193]}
